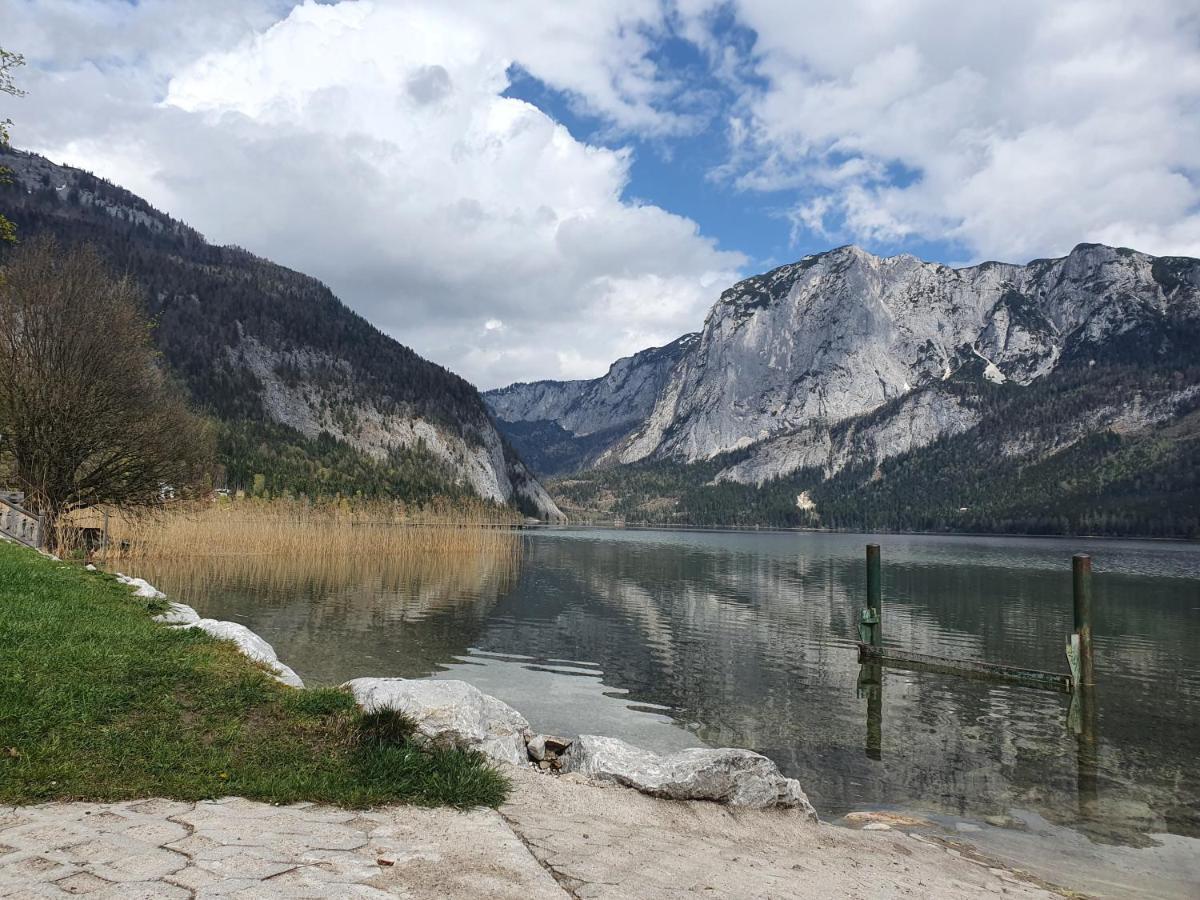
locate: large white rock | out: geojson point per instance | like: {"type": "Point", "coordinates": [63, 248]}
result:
{"type": "Point", "coordinates": [251, 644]}
{"type": "Point", "coordinates": [178, 614]}
{"type": "Point", "coordinates": [141, 587]}
{"type": "Point", "coordinates": [726, 775]}
{"type": "Point", "coordinates": [449, 714]}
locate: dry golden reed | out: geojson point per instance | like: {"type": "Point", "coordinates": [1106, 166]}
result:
{"type": "Point", "coordinates": [415, 582]}
{"type": "Point", "coordinates": [321, 532]}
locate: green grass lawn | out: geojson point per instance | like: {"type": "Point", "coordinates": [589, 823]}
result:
{"type": "Point", "coordinates": [98, 702]}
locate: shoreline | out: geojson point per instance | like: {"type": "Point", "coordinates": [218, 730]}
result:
{"type": "Point", "coordinates": [606, 804]}
{"type": "Point", "coordinates": [703, 833]}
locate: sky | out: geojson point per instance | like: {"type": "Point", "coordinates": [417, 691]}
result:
{"type": "Point", "coordinates": [527, 190]}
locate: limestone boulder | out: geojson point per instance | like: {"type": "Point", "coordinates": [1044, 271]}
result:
{"type": "Point", "coordinates": [449, 714]}
{"type": "Point", "coordinates": [727, 775]}
{"type": "Point", "coordinates": [178, 614]}
{"type": "Point", "coordinates": [251, 644]}
{"type": "Point", "coordinates": [141, 587]}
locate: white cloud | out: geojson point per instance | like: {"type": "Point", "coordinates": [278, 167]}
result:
{"type": "Point", "coordinates": [1029, 126]}
{"type": "Point", "coordinates": [368, 144]}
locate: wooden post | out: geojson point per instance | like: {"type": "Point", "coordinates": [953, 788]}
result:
{"type": "Point", "coordinates": [875, 593]}
{"type": "Point", "coordinates": [1081, 568]}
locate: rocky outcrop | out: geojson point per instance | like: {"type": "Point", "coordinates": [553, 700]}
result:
{"type": "Point", "coordinates": [318, 384]}
{"type": "Point", "coordinates": [726, 775]}
{"type": "Point", "coordinates": [909, 423]}
{"type": "Point", "coordinates": [449, 715]}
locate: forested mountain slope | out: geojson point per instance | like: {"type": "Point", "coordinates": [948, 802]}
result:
{"type": "Point", "coordinates": [309, 394]}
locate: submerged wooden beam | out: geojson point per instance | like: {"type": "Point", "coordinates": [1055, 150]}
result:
{"type": "Point", "coordinates": [924, 662]}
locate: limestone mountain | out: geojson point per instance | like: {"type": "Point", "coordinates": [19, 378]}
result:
{"type": "Point", "coordinates": [564, 426]}
{"type": "Point", "coordinates": [844, 361]}
{"type": "Point", "coordinates": [310, 396]}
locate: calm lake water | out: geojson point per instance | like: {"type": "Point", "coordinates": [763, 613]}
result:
{"type": "Point", "coordinates": [747, 639]}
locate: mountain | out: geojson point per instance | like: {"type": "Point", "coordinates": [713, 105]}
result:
{"type": "Point", "coordinates": [830, 384]}
{"type": "Point", "coordinates": [563, 426]}
{"type": "Point", "coordinates": [311, 398]}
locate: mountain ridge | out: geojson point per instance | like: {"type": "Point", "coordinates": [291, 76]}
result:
{"type": "Point", "coordinates": [845, 360]}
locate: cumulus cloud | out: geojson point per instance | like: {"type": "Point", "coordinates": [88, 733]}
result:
{"type": "Point", "coordinates": [370, 144]}
{"type": "Point", "coordinates": [1012, 129]}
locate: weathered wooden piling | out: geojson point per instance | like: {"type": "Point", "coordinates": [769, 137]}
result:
{"type": "Point", "coordinates": [870, 686]}
{"type": "Point", "coordinates": [873, 618]}
{"type": "Point", "coordinates": [1081, 570]}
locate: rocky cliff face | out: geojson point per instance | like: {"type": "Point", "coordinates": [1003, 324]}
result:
{"type": "Point", "coordinates": [566, 424]}
{"type": "Point", "coordinates": [788, 361]}
{"type": "Point", "coordinates": [622, 398]}
{"type": "Point", "coordinates": [260, 344]}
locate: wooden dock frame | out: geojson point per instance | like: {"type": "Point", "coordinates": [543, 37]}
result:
{"type": "Point", "coordinates": [1078, 650]}
{"type": "Point", "coordinates": [967, 668]}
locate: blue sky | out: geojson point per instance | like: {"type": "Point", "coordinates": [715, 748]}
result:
{"type": "Point", "coordinates": [683, 173]}
{"type": "Point", "coordinates": [677, 172]}
{"type": "Point", "coordinates": [531, 190]}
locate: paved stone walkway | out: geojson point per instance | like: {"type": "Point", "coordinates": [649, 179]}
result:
{"type": "Point", "coordinates": [555, 838]}
{"type": "Point", "coordinates": [610, 843]}
{"type": "Point", "coordinates": [236, 848]}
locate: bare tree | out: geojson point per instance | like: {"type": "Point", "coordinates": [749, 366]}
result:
{"type": "Point", "coordinates": [8, 62]}
{"type": "Point", "coordinates": [87, 414]}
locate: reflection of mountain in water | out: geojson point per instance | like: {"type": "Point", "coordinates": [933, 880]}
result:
{"type": "Point", "coordinates": [757, 648]}
{"type": "Point", "coordinates": [747, 640]}
{"type": "Point", "coordinates": [354, 616]}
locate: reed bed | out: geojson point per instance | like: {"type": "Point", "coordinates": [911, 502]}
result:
{"type": "Point", "coordinates": [426, 580]}
{"type": "Point", "coordinates": [321, 532]}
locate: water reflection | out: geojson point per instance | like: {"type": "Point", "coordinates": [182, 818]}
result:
{"type": "Point", "coordinates": [746, 640]}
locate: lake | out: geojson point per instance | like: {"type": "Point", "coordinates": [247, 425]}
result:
{"type": "Point", "coordinates": [675, 639]}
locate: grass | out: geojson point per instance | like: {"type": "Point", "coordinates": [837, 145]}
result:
{"type": "Point", "coordinates": [333, 530]}
{"type": "Point", "coordinates": [98, 702]}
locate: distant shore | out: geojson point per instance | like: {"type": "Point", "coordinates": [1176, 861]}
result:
{"type": "Point", "coordinates": [773, 529]}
